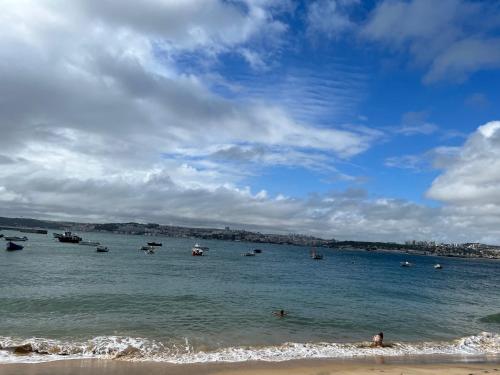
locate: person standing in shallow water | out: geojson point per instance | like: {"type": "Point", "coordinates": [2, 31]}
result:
{"type": "Point", "coordinates": [377, 340]}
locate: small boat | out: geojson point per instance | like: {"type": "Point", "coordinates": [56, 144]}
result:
{"type": "Point", "coordinates": [11, 246]}
{"type": "Point", "coordinates": [197, 250]}
{"type": "Point", "coordinates": [257, 251]}
{"type": "Point", "coordinates": [145, 248]}
{"type": "Point", "coordinates": [57, 235]}
{"type": "Point", "coordinates": [89, 243]}
{"type": "Point", "coordinates": [249, 254]}
{"type": "Point", "coordinates": [69, 238]}
{"type": "Point", "coordinates": [154, 243]}
{"type": "Point", "coordinates": [315, 255]}
{"type": "Point", "coordinates": [102, 249]}
{"type": "Point", "coordinates": [438, 266]}
{"type": "Point", "coordinates": [405, 264]}
{"type": "Point", "coordinates": [14, 238]}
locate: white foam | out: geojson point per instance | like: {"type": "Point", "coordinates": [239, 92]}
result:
{"type": "Point", "coordinates": [138, 349]}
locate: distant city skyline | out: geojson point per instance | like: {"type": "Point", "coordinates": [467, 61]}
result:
{"type": "Point", "coordinates": [373, 120]}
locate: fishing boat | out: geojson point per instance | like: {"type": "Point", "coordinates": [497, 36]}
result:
{"type": "Point", "coordinates": [155, 244]}
{"type": "Point", "coordinates": [69, 238]}
{"type": "Point", "coordinates": [14, 238]}
{"type": "Point", "coordinates": [102, 249]}
{"type": "Point", "coordinates": [315, 255]}
{"type": "Point", "coordinates": [405, 264]}
{"type": "Point", "coordinates": [438, 266]}
{"type": "Point", "coordinates": [11, 246]}
{"type": "Point", "coordinates": [89, 243]}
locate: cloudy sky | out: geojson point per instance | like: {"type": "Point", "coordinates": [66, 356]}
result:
{"type": "Point", "coordinates": [350, 119]}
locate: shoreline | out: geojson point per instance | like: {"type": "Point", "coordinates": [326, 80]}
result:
{"type": "Point", "coordinates": [421, 365]}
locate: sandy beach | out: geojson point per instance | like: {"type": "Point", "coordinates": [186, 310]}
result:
{"type": "Point", "coordinates": [303, 367]}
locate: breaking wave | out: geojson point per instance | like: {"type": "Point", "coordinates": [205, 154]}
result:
{"type": "Point", "coordinates": [137, 349]}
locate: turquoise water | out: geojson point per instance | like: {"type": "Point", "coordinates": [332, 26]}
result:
{"type": "Point", "coordinates": [172, 302]}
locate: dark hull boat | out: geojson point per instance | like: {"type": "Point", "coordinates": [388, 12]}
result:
{"type": "Point", "coordinates": [69, 238]}
{"type": "Point", "coordinates": [154, 243]}
{"type": "Point", "coordinates": [11, 246]}
{"type": "Point", "coordinates": [16, 238]}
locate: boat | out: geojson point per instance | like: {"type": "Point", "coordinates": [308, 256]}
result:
{"type": "Point", "coordinates": [438, 266]}
{"type": "Point", "coordinates": [14, 238]}
{"type": "Point", "coordinates": [102, 249]}
{"type": "Point", "coordinates": [315, 255]}
{"type": "Point", "coordinates": [69, 237]}
{"type": "Point", "coordinates": [154, 243]}
{"type": "Point", "coordinates": [57, 235]}
{"type": "Point", "coordinates": [89, 243]}
{"type": "Point", "coordinates": [197, 250]}
{"type": "Point", "coordinates": [257, 251]}
{"type": "Point", "coordinates": [11, 246]}
{"type": "Point", "coordinates": [406, 264]}
{"type": "Point", "coordinates": [249, 254]}
{"type": "Point", "coordinates": [203, 248]}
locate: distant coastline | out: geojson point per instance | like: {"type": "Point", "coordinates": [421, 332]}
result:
{"type": "Point", "coordinates": [464, 250]}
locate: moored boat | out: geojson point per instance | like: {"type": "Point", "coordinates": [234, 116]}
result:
{"type": "Point", "coordinates": [14, 238]}
{"type": "Point", "coordinates": [155, 244]}
{"type": "Point", "coordinates": [11, 246]}
{"type": "Point", "coordinates": [69, 238]}
{"type": "Point", "coordinates": [102, 249]}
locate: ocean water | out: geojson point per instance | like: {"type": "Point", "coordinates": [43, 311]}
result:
{"type": "Point", "coordinates": [68, 301]}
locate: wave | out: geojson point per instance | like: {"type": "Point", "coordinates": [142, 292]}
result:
{"type": "Point", "coordinates": [35, 350]}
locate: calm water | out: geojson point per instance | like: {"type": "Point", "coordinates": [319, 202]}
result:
{"type": "Point", "coordinates": [70, 293]}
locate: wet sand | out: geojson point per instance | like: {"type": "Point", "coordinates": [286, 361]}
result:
{"type": "Point", "coordinates": [303, 367]}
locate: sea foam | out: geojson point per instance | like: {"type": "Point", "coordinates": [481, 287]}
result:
{"type": "Point", "coordinates": [35, 350]}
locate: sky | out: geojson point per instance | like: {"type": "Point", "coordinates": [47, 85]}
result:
{"type": "Point", "coordinates": [347, 119]}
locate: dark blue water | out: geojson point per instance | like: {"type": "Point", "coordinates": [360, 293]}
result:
{"type": "Point", "coordinates": [72, 293]}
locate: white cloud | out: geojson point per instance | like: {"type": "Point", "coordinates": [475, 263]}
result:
{"type": "Point", "coordinates": [329, 17]}
{"type": "Point", "coordinates": [473, 179]}
{"type": "Point", "coordinates": [450, 38]}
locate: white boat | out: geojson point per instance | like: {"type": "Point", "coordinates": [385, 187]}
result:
{"type": "Point", "coordinates": [102, 249]}
{"type": "Point", "coordinates": [406, 264]}
{"type": "Point", "coordinates": [438, 266]}
{"type": "Point", "coordinates": [249, 254]}
{"type": "Point", "coordinates": [89, 243]}
{"type": "Point", "coordinates": [197, 250]}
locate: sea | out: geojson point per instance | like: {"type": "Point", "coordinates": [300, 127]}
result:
{"type": "Point", "coordinates": [67, 301]}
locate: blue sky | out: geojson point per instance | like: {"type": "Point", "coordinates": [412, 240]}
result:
{"type": "Point", "coordinates": [337, 118]}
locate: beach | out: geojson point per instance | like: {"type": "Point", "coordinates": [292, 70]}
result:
{"type": "Point", "coordinates": [302, 367]}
